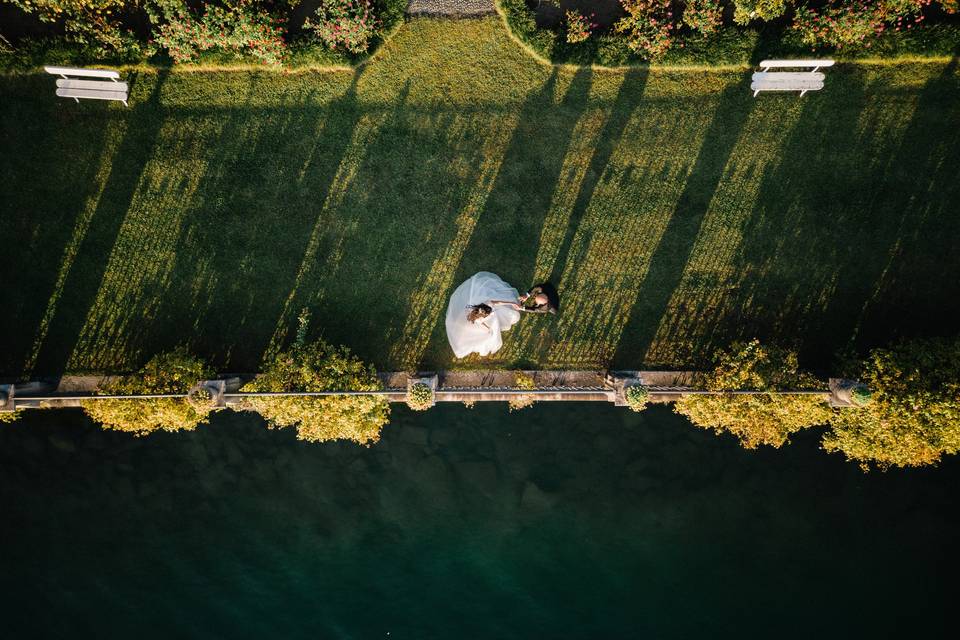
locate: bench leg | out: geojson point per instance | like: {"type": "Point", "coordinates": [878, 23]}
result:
{"type": "Point", "coordinates": [756, 93]}
{"type": "Point", "coordinates": [803, 92]}
{"type": "Point", "coordinates": [125, 103]}
{"type": "Point", "coordinates": [77, 100]}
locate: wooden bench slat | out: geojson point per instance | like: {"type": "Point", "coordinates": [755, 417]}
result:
{"type": "Point", "coordinates": [89, 73]}
{"type": "Point", "coordinates": [797, 63]}
{"type": "Point", "coordinates": [97, 85]}
{"type": "Point", "coordinates": [120, 96]}
{"type": "Point", "coordinates": [781, 76]}
{"type": "Point", "coordinates": [766, 86]}
{"type": "Point", "coordinates": [783, 87]}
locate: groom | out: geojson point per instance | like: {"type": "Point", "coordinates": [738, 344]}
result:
{"type": "Point", "coordinates": [540, 298]}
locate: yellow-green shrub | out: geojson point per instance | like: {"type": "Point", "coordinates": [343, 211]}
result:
{"type": "Point", "coordinates": [173, 372]}
{"type": "Point", "coordinates": [522, 381]}
{"type": "Point", "coordinates": [913, 417]}
{"type": "Point", "coordinates": [756, 419]}
{"type": "Point", "coordinates": [318, 366]}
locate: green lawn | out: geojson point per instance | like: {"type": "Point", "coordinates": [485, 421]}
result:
{"type": "Point", "coordinates": [674, 211]}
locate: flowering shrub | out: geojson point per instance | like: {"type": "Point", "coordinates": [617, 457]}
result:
{"type": "Point", "coordinates": [347, 25]}
{"type": "Point", "coordinates": [852, 23]}
{"type": "Point", "coordinates": [578, 27]}
{"type": "Point", "coordinates": [704, 16]}
{"type": "Point", "coordinates": [648, 26]}
{"type": "Point", "coordinates": [239, 29]}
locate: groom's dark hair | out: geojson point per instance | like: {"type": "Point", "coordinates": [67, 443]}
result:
{"type": "Point", "coordinates": [478, 311]}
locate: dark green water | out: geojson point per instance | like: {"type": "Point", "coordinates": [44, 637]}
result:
{"type": "Point", "coordinates": [561, 521]}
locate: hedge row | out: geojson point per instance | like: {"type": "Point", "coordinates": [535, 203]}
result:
{"type": "Point", "coordinates": [730, 45]}
{"type": "Point", "coordinates": [29, 54]}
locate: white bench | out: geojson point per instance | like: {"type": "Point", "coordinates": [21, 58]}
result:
{"type": "Point", "coordinates": [802, 81]}
{"type": "Point", "coordinates": [70, 87]}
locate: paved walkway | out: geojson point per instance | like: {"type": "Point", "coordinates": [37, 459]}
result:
{"type": "Point", "coordinates": [453, 8]}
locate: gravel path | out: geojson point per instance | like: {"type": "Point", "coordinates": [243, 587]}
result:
{"type": "Point", "coordinates": [456, 8]}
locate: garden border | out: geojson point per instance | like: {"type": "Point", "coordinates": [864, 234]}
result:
{"type": "Point", "coordinates": [788, 50]}
{"type": "Point", "coordinates": [453, 386]}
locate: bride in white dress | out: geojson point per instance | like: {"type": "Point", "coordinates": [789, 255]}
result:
{"type": "Point", "coordinates": [480, 310]}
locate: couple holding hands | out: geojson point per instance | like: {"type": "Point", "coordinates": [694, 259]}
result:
{"type": "Point", "coordinates": [485, 306]}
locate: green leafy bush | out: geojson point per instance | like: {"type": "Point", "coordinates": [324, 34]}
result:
{"type": "Point", "coordinates": [319, 366]}
{"type": "Point", "coordinates": [637, 397]}
{"type": "Point", "coordinates": [913, 417]}
{"type": "Point", "coordinates": [168, 373]}
{"type": "Point", "coordinates": [98, 24]}
{"type": "Point", "coordinates": [764, 419]}
{"type": "Point", "coordinates": [746, 11]}
{"type": "Point", "coordinates": [699, 34]}
{"type": "Point", "coordinates": [419, 397]}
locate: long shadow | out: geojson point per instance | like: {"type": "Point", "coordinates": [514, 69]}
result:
{"type": "Point", "coordinates": [876, 247]}
{"type": "Point", "coordinates": [520, 198]}
{"type": "Point", "coordinates": [628, 99]}
{"type": "Point", "coordinates": [41, 198]}
{"type": "Point", "coordinates": [254, 219]}
{"type": "Point", "coordinates": [677, 241]}
{"type": "Point", "coordinates": [767, 280]}
{"type": "Point", "coordinates": [83, 281]}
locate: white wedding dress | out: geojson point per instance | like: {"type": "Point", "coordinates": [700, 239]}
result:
{"type": "Point", "coordinates": [467, 337]}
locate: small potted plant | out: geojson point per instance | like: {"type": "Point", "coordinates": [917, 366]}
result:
{"type": "Point", "coordinates": [200, 397]}
{"type": "Point", "coordinates": [637, 397]}
{"type": "Point", "coordinates": [419, 396]}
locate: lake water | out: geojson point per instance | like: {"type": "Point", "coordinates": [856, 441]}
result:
{"type": "Point", "coordinates": [560, 521]}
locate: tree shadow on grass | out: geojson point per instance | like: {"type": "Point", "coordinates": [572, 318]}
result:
{"type": "Point", "coordinates": [37, 131]}
{"type": "Point", "coordinates": [677, 241]}
{"type": "Point", "coordinates": [507, 238]}
{"type": "Point", "coordinates": [254, 230]}
{"type": "Point", "coordinates": [861, 261]}
{"type": "Point", "coordinates": [84, 278]}
{"type": "Point", "coordinates": [861, 192]}
{"type": "Point", "coordinates": [516, 191]}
